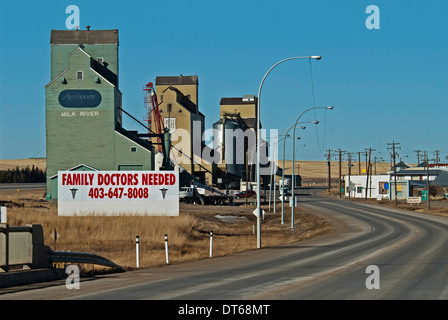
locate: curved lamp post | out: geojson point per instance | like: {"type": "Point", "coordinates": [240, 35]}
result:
{"type": "Point", "coordinates": [283, 167]}
{"type": "Point", "coordinates": [293, 152]}
{"type": "Point", "coordinates": [259, 214]}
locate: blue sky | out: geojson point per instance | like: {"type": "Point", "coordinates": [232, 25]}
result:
{"type": "Point", "coordinates": [386, 85]}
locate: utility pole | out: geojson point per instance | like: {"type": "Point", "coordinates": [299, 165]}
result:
{"type": "Point", "coordinates": [368, 165]}
{"type": "Point", "coordinates": [367, 171]}
{"type": "Point", "coordinates": [436, 160]}
{"type": "Point", "coordinates": [374, 162]}
{"type": "Point", "coordinates": [329, 169]}
{"type": "Point", "coordinates": [367, 155]}
{"type": "Point", "coordinates": [349, 171]}
{"type": "Point", "coordinates": [418, 156]}
{"type": "Point", "coordinates": [340, 173]}
{"type": "Point", "coordinates": [359, 162]}
{"type": "Point", "coordinates": [393, 144]}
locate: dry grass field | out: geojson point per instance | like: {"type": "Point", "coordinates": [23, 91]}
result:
{"type": "Point", "coordinates": [188, 234]}
{"type": "Point", "coordinates": [307, 169]}
{"type": "Point", "coordinates": [312, 170]}
{"type": "Point", "coordinates": [41, 163]}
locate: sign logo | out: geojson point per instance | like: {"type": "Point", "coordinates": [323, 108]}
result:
{"type": "Point", "coordinates": [163, 190]}
{"type": "Point", "coordinates": [73, 190]}
{"type": "Point", "coordinates": [79, 98]}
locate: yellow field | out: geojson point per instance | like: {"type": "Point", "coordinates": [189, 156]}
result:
{"type": "Point", "coordinates": [307, 169]}
{"type": "Point", "coordinates": [319, 169]}
{"type": "Point", "coordinates": [41, 163]}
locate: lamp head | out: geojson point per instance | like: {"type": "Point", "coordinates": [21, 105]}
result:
{"type": "Point", "coordinates": [316, 122]}
{"type": "Point", "coordinates": [316, 57]}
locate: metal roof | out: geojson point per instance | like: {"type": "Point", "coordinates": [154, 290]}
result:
{"type": "Point", "coordinates": [176, 80]}
{"type": "Point", "coordinates": [418, 172]}
{"type": "Point", "coordinates": [84, 36]}
{"type": "Point", "coordinates": [441, 180]}
{"type": "Point", "coordinates": [232, 101]}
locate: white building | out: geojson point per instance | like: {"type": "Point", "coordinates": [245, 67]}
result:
{"type": "Point", "coordinates": [383, 186]}
{"type": "Point", "coordinates": [411, 179]}
{"type": "Point", "coordinates": [356, 186]}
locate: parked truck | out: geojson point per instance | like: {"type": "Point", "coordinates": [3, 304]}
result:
{"type": "Point", "coordinates": [193, 195]}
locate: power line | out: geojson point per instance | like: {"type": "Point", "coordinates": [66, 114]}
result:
{"type": "Point", "coordinates": [436, 160]}
{"type": "Point", "coordinates": [418, 156]}
{"type": "Point", "coordinates": [329, 169]}
{"type": "Point", "coordinates": [349, 156]}
{"type": "Point", "coordinates": [369, 173]}
{"type": "Point", "coordinates": [340, 173]}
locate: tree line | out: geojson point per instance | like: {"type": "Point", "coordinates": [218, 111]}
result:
{"type": "Point", "coordinates": [24, 175]}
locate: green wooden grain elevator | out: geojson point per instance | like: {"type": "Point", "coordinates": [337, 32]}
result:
{"type": "Point", "coordinates": [83, 108]}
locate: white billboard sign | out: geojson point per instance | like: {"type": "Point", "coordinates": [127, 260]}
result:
{"type": "Point", "coordinates": [414, 200]}
{"type": "Point", "coordinates": [154, 193]}
{"type": "Point", "coordinates": [2, 214]}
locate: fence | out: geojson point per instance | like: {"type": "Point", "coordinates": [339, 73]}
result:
{"type": "Point", "coordinates": [24, 246]}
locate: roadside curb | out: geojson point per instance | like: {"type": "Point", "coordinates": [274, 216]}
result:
{"type": "Point", "coordinates": [25, 277]}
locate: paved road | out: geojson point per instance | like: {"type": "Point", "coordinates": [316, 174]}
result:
{"type": "Point", "coordinates": [408, 249]}
{"type": "Point", "coordinates": [22, 186]}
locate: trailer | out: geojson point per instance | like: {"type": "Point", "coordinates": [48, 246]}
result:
{"type": "Point", "coordinates": [192, 195]}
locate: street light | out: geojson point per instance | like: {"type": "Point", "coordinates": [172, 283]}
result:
{"type": "Point", "coordinates": [258, 142]}
{"type": "Point", "coordinates": [252, 151]}
{"type": "Point", "coordinates": [283, 170]}
{"type": "Point", "coordinates": [273, 174]}
{"type": "Point", "coordinates": [293, 149]}
{"type": "Point", "coordinates": [283, 167]}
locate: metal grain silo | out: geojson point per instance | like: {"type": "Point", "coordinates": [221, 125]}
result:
{"type": "Point", "coordinates": [229, 143]}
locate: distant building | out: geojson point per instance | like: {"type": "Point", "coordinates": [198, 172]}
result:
{"type": "Point", "coordinates": [237, 152]}
{"type": "Point", "coordinates": [377, 188]}
{"type": "Point", "coordinates": [178, 105]}
{"type": "Point", "coordinates": [412, 179]}
{"type": "Point", "coordinates": [83, 108]}
{"type": "Point", "coordinates": [245, 108]}
{"type": "Point", "coordinates": [400, 166]}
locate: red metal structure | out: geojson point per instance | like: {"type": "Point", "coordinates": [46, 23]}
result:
{"type": "Point", "coordinates": [154, 119]}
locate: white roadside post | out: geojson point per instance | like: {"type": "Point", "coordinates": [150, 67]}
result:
{"type": "Point", "coordinates": [3, 215]}
{"type": "Point", "coordinates": [166, 249]}
{"type": "Point", "coordinates": [137, 250]}
{"type": "Point", "coordinates": [211, 244]}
